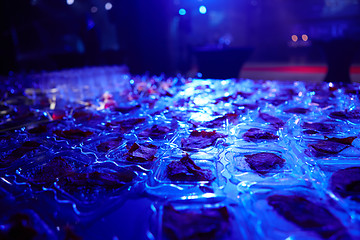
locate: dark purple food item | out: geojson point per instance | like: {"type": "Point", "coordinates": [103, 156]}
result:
{"type": "Point", "coordinates": [346, 141]}
{"type": "Point", "coordinates": [310, 132]}
{"type": "Point", "coordinates": [75, 134]}
{"type": "Point", "coordinates": [308, 215]}
{"type": "Point", "coordinates": [38, 130]}
{"type": "Point", "coordinates": [49, 172]}
{"type": "Point", "coordinates": [346, 115]}
{"type": "Point", "coordinates": [20, 226]}
{"type": "Point", "coordinates": [85, 116]}
{"type": "Point", "coordinates": [225, 99]}
{"type": "Point", "coordinates": [318, 126]}
{"type": "Point", "coordinates": [264, 162]}
{"type": "Point", "coordinates": [346, 183]}
{"type": "Point", "coordinates": [108, 145]}
{"type": "Point", "coordinates": [201, 139]}
{"type": "Point", "coordinates": [126, 109]}
{"type": "Point", "coordinates": [127, 124]}
{"type": "Point", "coordinates": [155, 131]}
{"type": "Point", "coordinates": [276, 122]}
{"type": "Point", "coordinates": [107, 180]}
{"type": "Point", "coordinates": [18, 153]}
{"type": "Point", "coordinates": [255, 134]}
{"type": "Point", "coordinates": [274, 101]}
{"type": "Point", "coordinates": [297, 110]}
{"type": "Point", "coordinates": [141, 153]}
{"type": "Point", "coordinates": [187, 170]}
{"type": "Point", "coordinates": [326, 147]}
{"type": "Point", "coordinates": [244, 94]}
{"type": "Point", "coordinates": [189, 224]}
{"type": "Point", "coordinates": [219, 122]}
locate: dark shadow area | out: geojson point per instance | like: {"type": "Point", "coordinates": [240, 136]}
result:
{"type": "Point", "coordinates": [165, 36]}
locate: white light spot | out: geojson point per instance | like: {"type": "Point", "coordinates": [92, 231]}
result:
{"type": "Point", "coordinates": [108, 6]}
{"type": "Point", "coordinates": [69, 2]}
{"type": "Point", "coordinates": [182, 11]}
{"type": "Point", "coordinates": [201, 101]}
{"type": "Point", "coordinates": [202, 9]}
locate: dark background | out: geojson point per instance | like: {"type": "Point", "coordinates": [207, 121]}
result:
{"type": "Point", "coordinates": [151, 36]}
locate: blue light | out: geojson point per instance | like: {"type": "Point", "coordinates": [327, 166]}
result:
{"type": "Point", "coordinates": [202, 9]}
{"type": "Point", "coordinates": [69, 2]}
{"type": "Point", "coordinates": [182, 11]}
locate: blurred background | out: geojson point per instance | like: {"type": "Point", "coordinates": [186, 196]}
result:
{"type": "Point", "coordinates": [172, 36]}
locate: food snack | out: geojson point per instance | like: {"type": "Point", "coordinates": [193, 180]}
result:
{"type": "Point", "coordinates": [346, 115]}
{"type": "Point", "coordinates": [256, 134]}
{"type": "Point", "coordinates": [297, 110]}
{"type": "Point", "coordinates": [219, 122]}
{"type": "Point", "coordinates": [83, 116]}
{"type": "Point", "coordinates": [330, 146]}
{"type": "Point", "coordinates": [201, 139]}
{"type": "Point", "coordinates": [264, 162]}
{"type": "Point", "coordinates": [274, 121]}
{"type": "Point", "coordinates": [346, 183]}
{"type": "Point", "coordinates": [155, 131]}
{"type": "Point", "coordinates": [141, 153]}
{"type": "Point", "coordinates": [126, 124]}
{"type": "Point", "coordinates": [18, 153]}
{"type": "Point", "coordinates": [187, 170]}
{"type": "Point", "coordinates": [48, 173]}
{"type": "Point", "coordinates": [275, 101]}
{"type": "Point", "coordinates": [203, 223]}
{"type": "Point", "coordinates": [73, 134]}
{"type": "Point", "coordinates": [126, 109]}
{"type": "Point", "coordinates": [109, 145]}
{"type": "Point", "coordinates": [308, 215]}
{"type": "Point", "coordinates": [93, 180]}
{"type": "Point", "coordinates": [318, 127]}
{"type": "Point", "coordinates": [38, 129]}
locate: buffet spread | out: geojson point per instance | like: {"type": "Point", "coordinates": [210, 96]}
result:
{"type": "Point", "coordinates": [96, 153]}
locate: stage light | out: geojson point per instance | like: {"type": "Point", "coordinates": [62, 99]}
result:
{"type": "Point", "coordinates": [108, 6]}
{"type": "Point", "coordinates": [294, 38]}
{"type": "Point", "coordinates": [202, 9]}
{"type": "Point", "coordinates": [69, 2]}
{"type": "Point", "coordinates": [304, 37]}
{"type": "Point", "coordinates": [182, 11]}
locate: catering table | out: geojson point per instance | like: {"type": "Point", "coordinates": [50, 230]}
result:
{"type": "Point", "coordinates": [95, 153]}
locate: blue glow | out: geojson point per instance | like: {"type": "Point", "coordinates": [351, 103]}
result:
{"type": "Point", "coordinates": [69, 2]}
{"type": "Point", "coordinates": [202, 9]}
{"type": "Point", "coordinates": [182, 11]}
{"type": "Point", "coordinates": [94, 9]}
{"type": "Point", "coordinates": [199, 74]}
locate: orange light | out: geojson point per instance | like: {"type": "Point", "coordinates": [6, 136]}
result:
{"type": "Point", "coordinates": [304, 37]}
{"type": "Point", "coordinates": [294, 38]}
